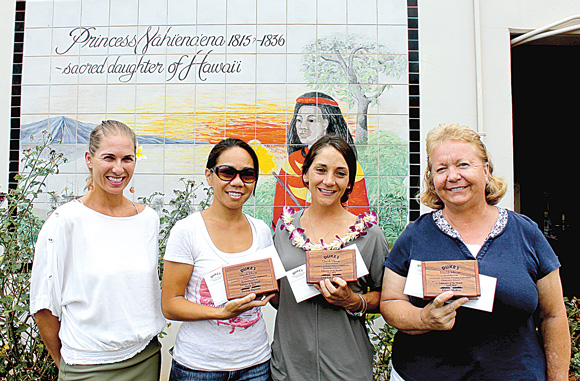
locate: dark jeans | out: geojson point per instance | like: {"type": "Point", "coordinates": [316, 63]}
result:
{"type": "Point", "coordinates": [260, 372]}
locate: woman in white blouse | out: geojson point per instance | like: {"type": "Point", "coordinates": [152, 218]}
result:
{"type": "Point", "coordinates": [95, 291]}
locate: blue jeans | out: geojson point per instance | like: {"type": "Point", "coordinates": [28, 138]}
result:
{"type": "Point", "coordinates": [260, 372]}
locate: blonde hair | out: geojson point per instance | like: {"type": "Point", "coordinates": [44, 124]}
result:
{"type": "Point", "coordinates": [105, 129]}
{"type": "Point", "coordinates": [496, 187]}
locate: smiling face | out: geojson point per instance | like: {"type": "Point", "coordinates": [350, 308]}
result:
{"type": "Point", "coordinates": [310, 125]}
{"type": "Point", "coordinates": [327, 177]}
{"type": "Point", "coordinates": [231, 194]}
{"type": "Point", "coordinates": [459, 175]}
{"type": "Point", "coordinates": [113, 164]}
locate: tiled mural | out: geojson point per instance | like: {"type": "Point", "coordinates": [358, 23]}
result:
{"type": "Point", "coordinates": [187, 73]}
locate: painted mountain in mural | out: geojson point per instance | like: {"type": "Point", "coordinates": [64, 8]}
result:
{"type": "Point", "coordinates": [67, 130]}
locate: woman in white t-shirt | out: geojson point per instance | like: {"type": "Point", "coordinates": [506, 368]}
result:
{"type": "Point", "coordinates": [95, 291]}
{"type": "Point", "coordinates": [226, 341]}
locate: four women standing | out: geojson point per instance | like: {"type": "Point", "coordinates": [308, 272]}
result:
{"type": "Point", "coordinates": [99, 318]}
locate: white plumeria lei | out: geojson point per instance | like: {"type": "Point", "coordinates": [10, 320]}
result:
{"type": "Point", "coordinates": [299, 240]}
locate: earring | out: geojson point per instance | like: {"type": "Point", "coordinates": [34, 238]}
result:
{"type": "Point", "coordinates": [132, 189]}
{"type": "Point", "coordinates": [91, 187]}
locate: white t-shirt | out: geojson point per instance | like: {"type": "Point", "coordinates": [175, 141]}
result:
{"type": "Point", "coordinates": [98, 275]}
{"type": "Point", "coordinates": [473, 249]}
{"type": "Point", "coordinates": [216, 345]}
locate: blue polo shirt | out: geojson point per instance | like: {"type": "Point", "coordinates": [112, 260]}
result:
{"type": "Point", "coordinates": [501, 345]}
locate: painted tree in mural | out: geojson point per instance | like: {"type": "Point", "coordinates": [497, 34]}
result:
{"type": "Point", "coordinates": [353, 70]}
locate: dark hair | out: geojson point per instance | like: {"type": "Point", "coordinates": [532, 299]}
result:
{"type": "Point", "coordinates": [227, 144]}
{"type": "Point", "coordinates": [344, 149]}
{"type": "Point", "coordinates": [330, 111]}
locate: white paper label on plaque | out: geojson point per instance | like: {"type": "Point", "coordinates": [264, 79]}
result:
{"type": "Point", "coordinates": [300, 289]}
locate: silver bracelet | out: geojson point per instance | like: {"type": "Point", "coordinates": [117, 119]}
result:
{"type": "Point", "coordinates": [362, 311]}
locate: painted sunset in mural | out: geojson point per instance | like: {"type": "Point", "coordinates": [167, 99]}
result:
{"type": "Point", "coordinates": [186, 80]}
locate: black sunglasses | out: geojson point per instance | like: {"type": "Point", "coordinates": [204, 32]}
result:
{"type": "Point", "coordinates": [228, 173]}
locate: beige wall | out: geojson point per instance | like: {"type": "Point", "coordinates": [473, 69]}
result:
{"type": "Point", "coordinates": [7, 8]}
{"type": "Point", "coordinates": [464, 49]}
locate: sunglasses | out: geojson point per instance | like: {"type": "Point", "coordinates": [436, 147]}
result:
{"type": "Point", "coordinates": [228, 173]}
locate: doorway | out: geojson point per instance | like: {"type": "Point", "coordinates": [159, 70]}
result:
{"type": "Point", "coordinates": [546, 102]}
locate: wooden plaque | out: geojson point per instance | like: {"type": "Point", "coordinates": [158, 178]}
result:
{"type": "Point", "coordinates": [461, 277]}
{"type": "Point", "coordinates": [329, 264]}
{"type": "Point", "coordinates": [250, 277]}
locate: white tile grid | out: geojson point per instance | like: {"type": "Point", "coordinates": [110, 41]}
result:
{"type": "Point", "coordinates": [38, 42]}
{"type": "Point", "coordinates": [92, 99]}
{"type": "Point", "coordinates": [301, 12]}
{"type": "Point", "coordinates": [241, 12]}
{"type": "Point", "coordinates": [244, 68]}
{"type": "Point", "coordinates": [63, 99]}
{"type": "Point", "coordinates": [399, 124]}
{"type": "Point", "coordinates": [392, 12]}
{"type": "Point", "coordinates": [271, 68]}
{"type": "Point", "coordinates": [66, 13]}
{"type": "Point", "coordinates": [36, 71]}
{"type": "Point", "coordinates": [362, 12]}
{"type": "Point", "coordinates": [123, 13]}
{"type": "Point", "coordinates": [36, 11]}
{"type": "Point", "coordinates": [271, 39]}
{"type": "Point", "coordinates": [153, 12]}
{"type": "Point", "coordinates": [238, 95]}
{"type": "Point", "coordinates": [332, 12]}
{"type": "Point", "coordinates": [179, 159]}
{"type": "Point", "coordinates": [186, 33]}
{"type": "Point", "coordinates": [121, 18]}
{"type": "Point", "coordinates": [95, 12]}
{"type": "Point", "coordinates": [181, 12]}
{"type": "Point", "coordinates": [63, 70]}
{"type": "Point", "coordinates": [299, 35]}
{"type": "Point", "coordinates": [211, 12]}
{"type": "Point", "coordinates": [394, 101]}
{"type": "Point", "coordinates": [271, 11]}
{"type": "Point", "coordinates": [121, 98]}
{"type": "Point", "coordinates": [180, 70]}
{"type": "Point", "coordinates": [179, 97]}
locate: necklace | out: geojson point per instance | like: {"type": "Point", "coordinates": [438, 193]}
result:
{"type": "Point", "coordinates": [314, 231]}
{"type": "Point", "coordinates": [298, 239]}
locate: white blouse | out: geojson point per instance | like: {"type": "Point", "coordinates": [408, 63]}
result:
{"type": "Point", "coordinates": [98, 275]}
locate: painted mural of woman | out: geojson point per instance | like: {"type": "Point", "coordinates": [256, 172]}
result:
{"type": "Point", "coordinates": [315, 114]}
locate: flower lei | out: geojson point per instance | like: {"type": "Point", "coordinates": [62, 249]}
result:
{"type": "Point", "coordinates": [299, 240]}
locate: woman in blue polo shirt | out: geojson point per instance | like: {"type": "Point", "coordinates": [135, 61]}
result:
{"type": "Point", "coordinates": [440, 341]}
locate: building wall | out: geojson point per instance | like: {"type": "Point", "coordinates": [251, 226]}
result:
{"type": "Point", "coordinates": [465, 66]}
{"type": "Point", "coordinates": [6, 48]}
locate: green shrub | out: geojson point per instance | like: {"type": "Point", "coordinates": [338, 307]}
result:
{"type": "Point", "coordinates": [22, 352]}
{"type": "Point", "coordinates": [381, 336]}
{"type": "Point", "coordinates": [180, 206]}
{"type": "Point", "coordinates": [573, 311]}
